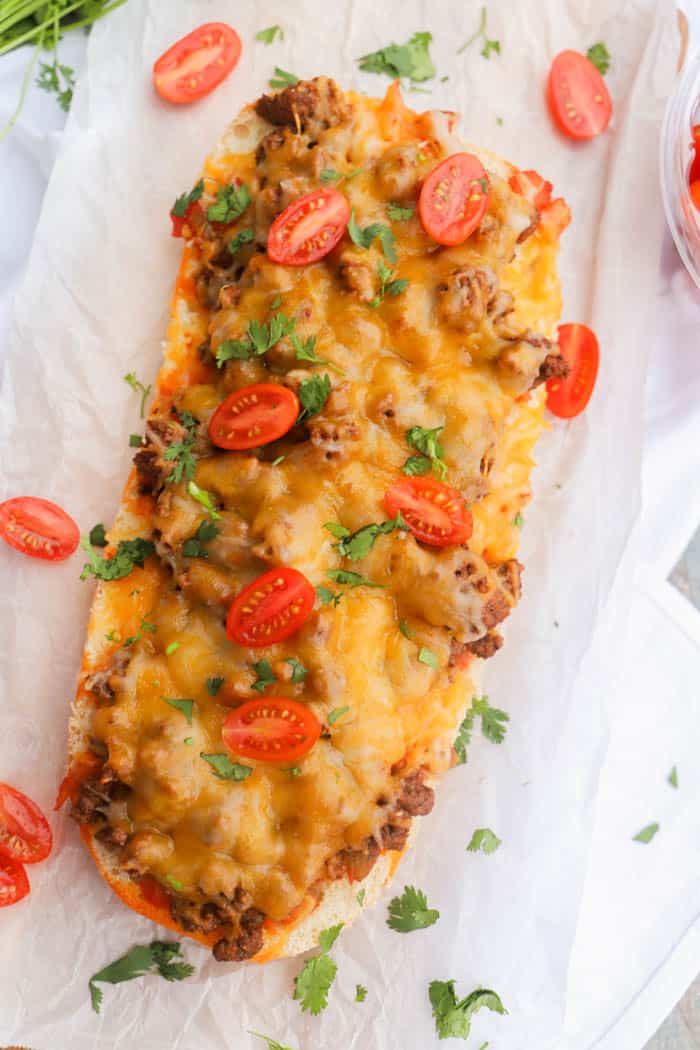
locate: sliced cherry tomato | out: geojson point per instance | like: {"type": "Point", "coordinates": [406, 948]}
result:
{"type": "Point", "coordinates": [454, 198]}
{"type": "Point", "coordinates": [271, 729]}
{"type": "Point", "coordinates": [180, 221]}
{"type": "Point", "coordinates": [695, 192]}
{"type": "Point", "coordinates": [531, 185]}
{"type": "Point", "coordinates": [578, 98]}
{"type": "Point", "coordinates": [579, 346]}
{"type": "Point", "coordinates": [270, 608]}
{"type": "Point", "coordinates": [434, 512]}
{"type": "Point", "coordinates": [309, 228]}
{"type": "Point", "coordinates": [195, 65]}
{"type": "Point", "coordinates": [38, 528]}
{"type": "Point", "coordinates": [25, 834]}
{"type": "Point", "coordinates": [253, 416]}
{"type": "Point", "coordinates": [14, 884]}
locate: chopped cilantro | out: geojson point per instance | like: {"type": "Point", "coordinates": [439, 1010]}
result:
{"type": "Point", "coordinates": [673, 778]}
{"type": "Point", "coordinates": [360, 897]}
{"type": "Point", "coordinates": [388, 285]}
{"type": "Point", "coordinates": [265, 677]}
{"type": "Point", "coordinates": [267, 36]}
{"type": "Point", "coordinates": [453, 1018]}
{"type": "Point", "coordinates": [182, 203]}
{"type": "Point", "coordinates": [214, 684]}
{"type": "Point", "coordinates": [484, 840]}
{"type": "Point", "coordinates": [171, 648]}
{"type": "Point", "coordinates": [426, 441]}
{"type": "Point", "coordinates": [244, 237]}
{"type": "Point", "coordinates": [231, 202]}
{"type": "Point", "coordinates": [299, 672]}
{"type": "Point", "coordinates": [113, 636]}
{"type": "Point", "coordinates": [488, 45]}
{"type": "Point", "coordinates": [646, 834]}
{"type": "Point", "coordinates": [97, 536]}
{"type": "Point", "coordinates": [399, 214]}
{"type": "Point", "coordinates": [363, 237]}
{"type": "Point", "coordinates": [331, 175]}
{"type": "Point", "coordinates": [464, 737]}
{"type": "Point", "coordinates": [180, 452]}
{"type": "Point", "coordinates": [411, 59]}
{"type": "Point", "coordinates": [405, 629]}
{"type": "Point", "coordinates": [203, 497]}
{"type": "Point", "coordinates": [519, 520]}
{"type": "Point", "coordinates": [306, 351]}
{"type": "Point", "coordinates": [185, 706]}
{"type": "Point", "coordinates": [350, 579]}
{"type": "Point", "coordinates": [357, 545]}
{"type": "Point", "coordinates": [294, 771]}
{"type": "Point", "coordinates": [194, 546]}
{"type": "Point", "coordinates": [135, 441]}
{"type": "Point", "coordinates": [161, 957]}
{"type": "Point", "coordinates": [58, 80]}
{"type": "Point", "coordinates": [313, 394]}
{"type": "Point", "coordinates": [326, 596]}
{"type": "Point", "coordinates": [175, 883]}
{"type": "Point", "coordinates": [128, 554]}
{"type": "Point", "coordinates": [138, 386]}
{"type": "Point", "coordinates": [224, 768]}
{"type": "Point", "coordinates": [410, 911]}
{"type": "Point", "coordinates": [189, 741]}
{"type": "Point", "coordinates": [312, 984]}
{"type": "Point", "coordinates": [259, 338]}
{"type": "Point", "coordinates": [417, 465]}
{"type": "Point", "coordinates": [336, 713]}
{"type": "Point", "coordinates": [360, 993]}
{"type": "Point", "coordinates": [429, 658]}
{"type": "Point", "coordinates": [134, 638]}
{"type": "Point", "coordinates": [599, 55]}
{"type": "Point", "coordinates": [283, 79]}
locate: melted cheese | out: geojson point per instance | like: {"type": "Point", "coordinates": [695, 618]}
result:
{"type": "Point", "coordinates": [401, 366]}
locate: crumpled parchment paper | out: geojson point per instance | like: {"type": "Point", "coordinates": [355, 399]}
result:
{"type": "Point", "coordinates": [93, 306]}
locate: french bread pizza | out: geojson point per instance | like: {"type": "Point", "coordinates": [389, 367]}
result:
{"type": "Point", "coordinates": [316, 547]}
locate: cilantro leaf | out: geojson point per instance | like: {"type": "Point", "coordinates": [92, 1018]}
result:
{"type": "Point", "coordinates": [331, 175]}
{"type": "Point", "coordinates": [313, 394]}
{"type": "Point", "coordinates": [599, 55]}
{"type": "Point", "coordinates": [350, 579]}
{"type": "Point", "coordinates": [492, 719]}
{"type": "Point", "coordinates": [336, 713]}
{"type": "Point", "coordinates": [272, 1044]}
{"type": "Point", "coordinates": [265, 677]}
{"type": "Point", "coordinates": [397, 213]}
{"type": "Point", "coordinates": [97, 536]}
{"type": "Point", "coordinates": [135, 441]}
{"type": "Point", "coordinates": [464, 737]}
{"type": "Point", "coordinates": [299, 672]}
{"type": "Point", "coordinates": [185, 706]}
{"type": "Point", "coordinates": [158, 957]}
{"type": "Point", "coordinates": [231, 202]}
{"type": "Point", "coordinates": [358, 544]}
{"type": "Point", "coordinates": [267, 36]}
{"type": "Point", "coordinates": [214, 684]}
{"type": "Point", "coordinates": [224, 768]}
{"type": "Point", "coordinates": [360, 896]}
{"type": "Point", "coordinates": [183, 202]}
{"type": "Point", "coordinates": [429, 658]}
{"type": "Point", "coordinates": [426, 441]}
{"type": "Point", "coordinates": [306, 351]}
{"type": "Point", "coordinates": [363, 237]}
{"type": "Point", "coordinates": [312, 984]}
{"type": "Point", "coordinates": [453, 1018]}
{"type": "Point", "coordinates": [283, 79]}
{"type": "Point", "coordinates": [673, 778]}
{"type": "Point", "coordinates": [326, 596]}
{"type": "Point", "coordinates": [518, 520]}
{"type": "Point", "coordinates": [138, 386]}
{"type": "Point", "coordinates": [204, 497]}
{"type": "Point", "coordinates": [193, 547]}
{"type": "Point", "coordinates": [134, 638]}
{"type": "Point", "coordinates": [417, 465]}
{"type": "Point", "coordinates": [59, 80]}
{"type": "Point", "coordinates": [411, 59]}
{"type": "Point", "coordinates": [244, 237]}
{"type": "Point", "coordinates": [484, 840]}
{"type": "Point", "coordinates": [180, 452]}
{"type": "Point", "coordinates": [360, 993]}
{"type": "Point", "coordinates": [258, 339]}
{"type": "Point", "coordinates": [406, 630]}
{"type": "Point", "coordinates": [327, 938]}
{"type": "Point", "coordinates": [128, 554]}
{"type": "Point", "coordinates": [646, 834]}
{"type": "Point", "coordinates": [488, 45]}
{"type": "Point", "coordinates": [387, 285]}
{"type": "Point", "coordinates": [410, 911]}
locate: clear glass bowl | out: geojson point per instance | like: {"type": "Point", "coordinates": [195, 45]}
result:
{"type": "Point", "coordinates": [682, 112]}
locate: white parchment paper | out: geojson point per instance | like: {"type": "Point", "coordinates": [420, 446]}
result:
{"type": "Point", "coordinates": [93, 306]}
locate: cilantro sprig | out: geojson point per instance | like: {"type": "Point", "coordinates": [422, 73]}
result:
{"type": "Point", "coordinates": [411, 59]}
{"type": "Point", "coordinates": [183, 202]}
{"type": "Point", "coordinates": [260, 337]}
{"type": "Point", "coordinates": [128, 554]}
{"type": "Point", "coordinates": [159, 957]}
{"type": "Point", "coordinates": [194, 546]}
{"type": "Point", "coordinates": [283, 79]}
{"type": "Point", "coordinates": [268, 36]}
{"type": "Point", "coordinates": [487, 46]}
{"type": "Point", "coordinates": [139, 388]}
{"type": "Point", "coordinates": [224, 768]}
{"type": "Point", "coordinates": [265, 676]}
{"type": "Point", "coordinates": [185, 707]}
{"type": "Point", "coordinates": [313, 394]}
{"type": "Point", "coordinates": [410, 911]}
{"type": "Point", "coordinates": [305, 350]}
{"type": "Point", "coordinates": [432, 453]}
{"type": "Point", "coordinates": [452, 1016]}
{"type": "Point", "coordinates": [397, 213]}
{"type": "Point", "coordinates": [493, 726]}
{"type": "Point", "coordinates": [484, 840]}
{"type": "Point", "coordinates": [59, 80]}
{"type": "Point", "coordinates": [599, 55]}
{"type": "Point", "coordinates": [244, 237]}
{"type": "Point", "coordinates": [363, 237]}
{"type": "Point", "coordinates": [388, 284]}
{"type": "Point", "coordinates": [231, 202]}
{"type": "Point", "coordinates": [357, 545]}
{"type": "Point", "coordinates": [313, 982]}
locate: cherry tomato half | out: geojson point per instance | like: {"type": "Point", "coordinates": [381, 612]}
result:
{"type": "Point", "coordinates": [195, 65]}
{"type": "Point", "coordinates": [694, 173]}
{"type": "Point", "coordinates": [454, 198]}
{"type": "Point", "coordinates": [531, 185]}
{"type": "Point", "coordinates": [38, 528]}
{"type": "Point", "coordinates": [434, 512]}
{"type": "Point", "coordinates": [271, 729]}
{"type": "Point", "coordinates": [25, 834]}
{"type": "Point", "coordinates": [14, 884]}
{"type": "Point", "coordinates": [577, 96]}
{"type": "Point", "coordinates": [309, 228]}
{"type": "Point", "coordinates": [579, 346]}
{"type": "Point", "coordinates": [695, 192]}
{"type": "Point", "coordinates": [270, 608]}
{"type": "Point", "coordinates": [253, 416]}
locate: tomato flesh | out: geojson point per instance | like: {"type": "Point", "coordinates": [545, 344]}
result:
{"type": "Point", "coordinates": [695, 192]}
{"type": "Point", "coordinates": [38, 527]}
{"type": "Point", "coordinates": [568, 397]}
{"type": "Point", "coordinates": [271, 608]}
{"type": "Point", "coordinates": [309, 228]}
{"type": "Point", "coordinates": [577, 96]}
{"type": "Point", "coordinates": [25, 834]}
{"type": "Point", "coordinates": [272, 729]}
{"type": "Point", "coordinates": [435, 513]}
{"type": "Point", "coordinates": [14, 884]}
{"type": "Point", "coordinates": [195, 65]}
{"type": "Point", "coordinates": [454, 198]}
{"type": "Point", "coordinates": [253, 416]}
